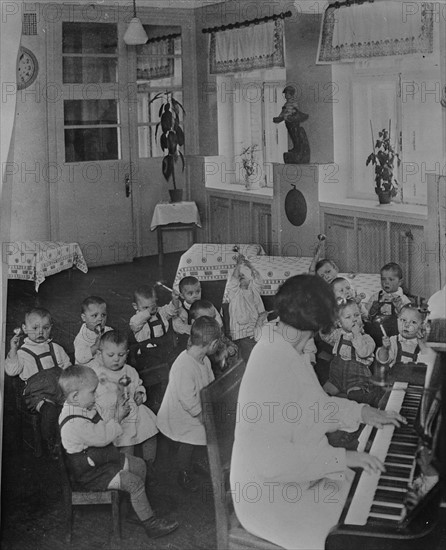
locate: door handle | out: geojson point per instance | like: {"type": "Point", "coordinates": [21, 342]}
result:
{"type": "Point", "coordinates": [127, 185]}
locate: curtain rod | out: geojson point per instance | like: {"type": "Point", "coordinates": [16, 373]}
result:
{"type": "Point", "coordinates": [347, 3]}
{"type": "Point", "coordinates": [163, 37]}
{"type": "Point", "coordinates": [248, 23]}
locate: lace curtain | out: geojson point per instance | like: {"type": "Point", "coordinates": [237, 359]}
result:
{"type": "Point", "coordinates": [373, 30]}
{"type": "Point", "coordinates": [254, 47]}
{"type": "Point", "coordinates": [151, 63]}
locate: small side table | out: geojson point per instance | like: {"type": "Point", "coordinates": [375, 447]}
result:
{"type": "Point", "coordinates": [175, 216]}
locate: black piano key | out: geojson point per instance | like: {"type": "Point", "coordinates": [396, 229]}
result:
{"type": "Point", "coordinates": [403, 438]}
{"type": "Point", "coordinates": [406, 461]}
{"type": "Point", "coordinates": [396, 483]}
{"type": "Point", "coordinates": [408, 450]}
{"type": "Point", "coordinates": [381, 495]}
{"type": "Point", "coordinates": [385, 510]}
{"type": "Point", "coordinates": [396, 471]}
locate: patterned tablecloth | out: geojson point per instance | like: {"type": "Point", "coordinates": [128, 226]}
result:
{"type": "Point", "coordinates": [175, 212]}
{"type": "Point", "coordinates": [36, 260]}
{"type": "Point", "coordinates": [212, 262]}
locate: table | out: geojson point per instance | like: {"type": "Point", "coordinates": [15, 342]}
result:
{"type": "Point", "coordinates": [36, 260]}
{"type": "Point", "coordinates": [274, 270]}
{"type": "Point", "coordinates": [212, 262]}
{"type": "Point", "coordinates": [175, 216]}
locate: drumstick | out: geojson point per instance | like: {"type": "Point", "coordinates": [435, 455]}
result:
{"type": "Point", "coordinates": [378, 320]}
{"type": "Point", "coordinates": [124, 381]}
{"type": "Point", "coordinates": [17, 331]}
{"type": "Point", "coordinates": [159, 283]}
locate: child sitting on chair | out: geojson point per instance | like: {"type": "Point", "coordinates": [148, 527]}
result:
{"type": "Point", "coordinates": [244, 304]}
{"type": "Point", "coordinates": [409, 345]}
{"type": "Point", "coordinates": [326, 269]}
{"type": "Point", "coordinates": [384, 306]}
{"type": "Point", "coordinates": [94, 316]}
{"type": "Point", "coordinates": [190, 292]}
{"type": "Point", "coordinates": [353, 352]}
{"type": "Point", "coordinates": [92, 459]}
{"type": "Point", "coordinates": [119, 381]}
{"type": "Point", "coordinates": [227, 352]}
{"type": "Point", "coordinates": [152, 340]}
{"type": "Point", "coordinates": [39, 362]}
{"type": "Point", "coordinates": [180, 414]}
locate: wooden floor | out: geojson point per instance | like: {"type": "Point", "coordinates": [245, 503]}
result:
{"type": "Point", "coordinates": [32, 515]}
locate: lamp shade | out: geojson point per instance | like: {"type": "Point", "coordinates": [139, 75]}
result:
{"type": "Point", "coordinates": [135, 34]}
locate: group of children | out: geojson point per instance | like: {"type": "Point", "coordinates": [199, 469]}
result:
{"type": "Point", "coordinates": [97, 404]}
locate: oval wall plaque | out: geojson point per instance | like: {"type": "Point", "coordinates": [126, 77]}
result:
{"type": "Point", "coordinates": [295, 207]}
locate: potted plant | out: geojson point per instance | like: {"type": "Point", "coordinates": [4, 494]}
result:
{"type": "Point", "coordinates": [383, 158]}
{"type": "Point", "coordinates": [250, 166]}
{"type": "Point", "coordinates": [171, 138]}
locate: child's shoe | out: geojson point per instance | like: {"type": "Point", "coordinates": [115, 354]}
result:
{"type": "Point", "coordinates": [186, 482]}
{"type": "Point", "coordinates": [158, 527]}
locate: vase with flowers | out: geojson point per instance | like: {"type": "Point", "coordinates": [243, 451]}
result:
{"type": "Point", "coordinates": [251, 167]}
{"type": "Point", "coordinates": [385, 160]}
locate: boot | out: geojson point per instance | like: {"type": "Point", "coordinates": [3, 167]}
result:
{"type": "Point", "coordinates": [187, 482]}
{"type": "Point", "coordinates": [158, 527]}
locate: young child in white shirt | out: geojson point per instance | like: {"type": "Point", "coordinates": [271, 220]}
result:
{"type": "Point", "coordinates": [342, 288]}
{"type": "Point", "coordinates": [353, 352]}
{"type": "Point", "coordinates": [150, 326]}
{"type": "Point", "coordinates": [190, 292]}
{"type": "Point", "coordinates": [117, 382]}
{"type": "Point", "coordinates": [39, 362]}
{"type": "Point", "coordinates": [409, 345]}
{"type": "Point", "coordinates": [244, 304]}
{"type": "Point", "coordinates": [94, 317]}
{"type": "Point", "coordinates": [180, 414]}
{"type": "Point", "coordinates": [92, 459]}
{"type": "Point", "coordinates": [385, 305]}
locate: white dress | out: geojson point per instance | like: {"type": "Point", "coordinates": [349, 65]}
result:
{"type": "Point", "coordinates": [288, 483]}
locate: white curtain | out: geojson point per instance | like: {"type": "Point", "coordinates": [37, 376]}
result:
{"type": "Point", "coordinates": [10, 34]}
{"type": "Point", "coordinates": [378, 29]}
{"type": "Point", "coordinates": [254, 47]}
{"type": "Point", "coordinates": [155, 66]}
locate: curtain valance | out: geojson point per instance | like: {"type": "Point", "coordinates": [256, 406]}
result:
{"type": "Point", "coordinates": [372, 30]}
{"type": "Point", "coordinates": [151, 63]}
{"type": "Point", "coordinates": [245, 49]}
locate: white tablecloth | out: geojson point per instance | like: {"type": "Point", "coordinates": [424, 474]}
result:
{"type": "Point", "coordinates": [175, 212]}
{"type": "Point", "coordinates": [212, 262]}
{"type": "Point", "coordinates": [36, 260]}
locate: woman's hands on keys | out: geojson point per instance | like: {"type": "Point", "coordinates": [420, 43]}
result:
{"type": "Point", "coordinates": [378, 418]}
{"type": "Point", "coordinates": [369, 463]}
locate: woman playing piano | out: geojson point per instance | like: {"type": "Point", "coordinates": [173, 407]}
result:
{"type": "Point", "coordinates": [288, 484]}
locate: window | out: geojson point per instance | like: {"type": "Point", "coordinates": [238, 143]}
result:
{"type": "Point", "coordinates": [91, 126]}
{"type": "Point", "coordinates": [158, 68]}
{"type": "Point", "coordinates": [247, 103]}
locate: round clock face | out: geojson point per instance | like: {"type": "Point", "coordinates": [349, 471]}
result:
{"type": "Point", "coordinates": [27, 68]}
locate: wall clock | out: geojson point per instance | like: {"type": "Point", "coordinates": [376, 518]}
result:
{"type": "Point", "coordinates": [27, 68]}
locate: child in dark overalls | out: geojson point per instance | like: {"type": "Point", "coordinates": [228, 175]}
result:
{"type": "Point", "coordinates": [39, 362]}
{"type": "Point", "coordinates": [94, 463]}
{"type": "Point", "coordinates": [384, 306]}
{"type": "Point", "coordinates": [353, 352]}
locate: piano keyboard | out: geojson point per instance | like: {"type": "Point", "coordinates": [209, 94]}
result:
{"type": "Point", "coordinates": [380, 496]}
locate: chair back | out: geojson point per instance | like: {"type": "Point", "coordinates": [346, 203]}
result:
{"type": "Point", "coordinates": [219, 409]}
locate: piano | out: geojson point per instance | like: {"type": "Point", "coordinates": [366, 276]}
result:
{"type": "Point", "coordinates": [377, 513]}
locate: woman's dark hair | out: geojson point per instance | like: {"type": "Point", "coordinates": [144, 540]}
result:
{"type": "Point", "coordinates": [306, 302]}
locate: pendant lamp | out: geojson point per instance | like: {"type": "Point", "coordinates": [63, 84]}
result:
{"type": "Point", "coordinates": [135, 34]}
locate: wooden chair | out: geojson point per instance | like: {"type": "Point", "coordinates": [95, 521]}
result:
{"type": "Point", "coordinates": [219, 405]}
{"type": "Point", "coordinates": [74, 497]}
{"type": "Point", "coordinates": [28, 423]}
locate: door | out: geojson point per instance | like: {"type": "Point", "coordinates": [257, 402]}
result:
{"type": "Point", "coordinates": [90, 162]}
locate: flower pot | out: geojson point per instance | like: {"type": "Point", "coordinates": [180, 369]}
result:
{"type": "Point", "coordinates": [176, 195]}
{"type": "Point", "coordinates": [384, 197]}
{"type": "Point", "coordinates": [252, 182]}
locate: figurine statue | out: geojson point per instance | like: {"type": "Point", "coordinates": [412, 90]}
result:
{"type": "Point", "coordinates": [300, 152]}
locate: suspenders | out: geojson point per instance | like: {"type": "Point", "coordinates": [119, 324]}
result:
{"type": "Point", "coordinates": [401, 353]}
{"type": "Point", "coordinates": [156, 323]}
{"type": "Point", "coordinates": [37, 357]}
{"type": "Point", "coordinates": [96, 418]}
{"type": "Point", "coordinates": [345, 342]}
